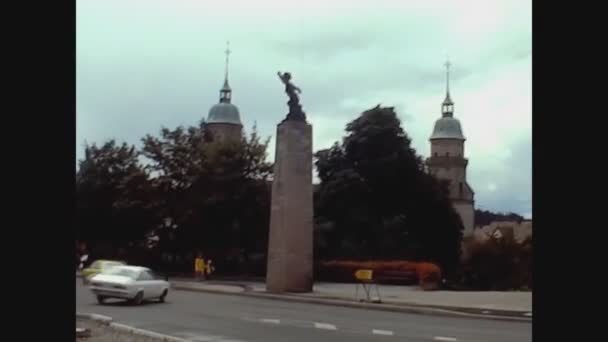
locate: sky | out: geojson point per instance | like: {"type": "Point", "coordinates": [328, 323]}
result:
{"type": "Point", "coordinates": [146, 64]}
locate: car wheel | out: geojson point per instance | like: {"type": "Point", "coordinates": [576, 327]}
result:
{"type": "Point", "coordinates": [101, 299]}
{"type": "Point", "coordinates": [162, 297]}
{"type": "Point", "coordinates": [139, 298]}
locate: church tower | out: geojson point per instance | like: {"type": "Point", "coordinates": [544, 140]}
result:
{"type": "Point", "coordinates": [224, 121]}
{"type": "Point", "coordinates": [447, 160]}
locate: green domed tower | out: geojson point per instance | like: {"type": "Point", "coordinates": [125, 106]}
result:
{"type": "Point", "coordinates": [224, 120]}
{"type": "Point", "coordinates": [447, 160]}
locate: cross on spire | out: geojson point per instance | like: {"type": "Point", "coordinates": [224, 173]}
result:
{"type": "Point", "coordinates": [447, 108]}
{"type": "Point", "coordinates": [227, 51]}
{"type": "Point", "coordinates": [226, 92]}
{"type": "Point", "coordinates": [447, 76]}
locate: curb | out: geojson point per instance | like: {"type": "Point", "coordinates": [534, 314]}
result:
{"type": "Point", "coordinates": [183, 287]}
{"type": "Point", "coordinates": [129, 329]}
{"type": "Point", "coordinates": [358, 305]}
{"type": "Point", "coordinates": [95, 317]}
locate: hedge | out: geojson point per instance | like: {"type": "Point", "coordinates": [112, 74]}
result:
{"type": "Point", "coordinates": [427, 274]}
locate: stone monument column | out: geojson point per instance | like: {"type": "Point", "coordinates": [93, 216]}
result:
{"type": "Point", "coordinates": [290, 240]}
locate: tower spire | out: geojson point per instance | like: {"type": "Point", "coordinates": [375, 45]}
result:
{"type": "Point", "coordinates": [447, 77]}
{"type": "Point", "coordinates": [447, 108]}
{"type": "Point", "coordinates": [226, 92]}
{"type": "Point", "coordinates": [227, 51]}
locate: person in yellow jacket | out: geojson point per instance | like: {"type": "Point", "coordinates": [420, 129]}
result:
{"type": "Point", "coordinates": [199, 267]}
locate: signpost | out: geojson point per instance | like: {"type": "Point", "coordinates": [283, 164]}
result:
{"type": "Point", "coordinates": [366, 280]}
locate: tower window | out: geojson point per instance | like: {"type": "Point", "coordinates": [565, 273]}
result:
{"type": "Point", "coordinates": [435, 154]}
{"type": "Point", "coordinates": [460, 188]}
{"type": "Point", "coordinates": [447, 154]}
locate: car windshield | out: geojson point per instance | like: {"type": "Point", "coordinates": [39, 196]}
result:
{"type": "Point", "coordinates": [119, 271]}
{"type": "Point", "coordinates": [111, 264]}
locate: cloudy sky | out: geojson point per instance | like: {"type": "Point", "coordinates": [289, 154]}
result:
{"type": "Point", "coordinates": [143, 64]}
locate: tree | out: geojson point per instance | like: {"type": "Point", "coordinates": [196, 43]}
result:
{"type": "Point", "coordinates": [112, 192]}
{"type": "Point", "coordinates": [192, 194]}
{"type": "Point", "coordinates": [176, 162]}
{"type": "Point", "coordinates": [499, 262]}
{"type": "Point", "coordinates": [485, 217]}
{"type": "Point", "coordinates": [215, 193]}
{"type": "Point", "coordinates": [376, 201]}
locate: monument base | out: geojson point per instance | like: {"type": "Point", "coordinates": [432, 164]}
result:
{"type": "Point", "coordinates": [290, 239]}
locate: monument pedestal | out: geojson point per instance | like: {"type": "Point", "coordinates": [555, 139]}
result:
{"type": "Point", "coordinates": [290, 239]}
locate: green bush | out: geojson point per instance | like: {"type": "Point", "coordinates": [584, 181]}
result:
{"type": "Point", "coordinates": [498, 263]}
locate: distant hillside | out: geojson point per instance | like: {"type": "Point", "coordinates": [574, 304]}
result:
{"type": "Point", "coordinates": [484, 218]}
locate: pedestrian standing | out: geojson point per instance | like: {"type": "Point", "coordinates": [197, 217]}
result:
{"type": "Point", "coordinates": [199, 267]}
{"type": "Point", "coordinates": [209, 269]}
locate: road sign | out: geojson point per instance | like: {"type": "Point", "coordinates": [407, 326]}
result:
{"type": "Point", "coordinates": [364, 275]}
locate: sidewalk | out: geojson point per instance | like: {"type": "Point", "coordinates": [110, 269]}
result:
{"type": "Point", "coordinates": [488, 304]}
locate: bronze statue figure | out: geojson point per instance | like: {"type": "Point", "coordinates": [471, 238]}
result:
{"type": "Point", "coordinates": [295, 109]}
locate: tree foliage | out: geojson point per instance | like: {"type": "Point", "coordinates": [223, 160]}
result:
{"type": "Point", "coordinates": [215, 193]}
{"type": "Point", "coordinates": [113, 191]}
{"type": "Point", "coordinates": [375, 199]}
{"type": "Point", "coordinates": [485, 217]}
{"type": "Point", "coordinates": [192, 193]}
{"type": "Point", "coordinates": [498, 263]}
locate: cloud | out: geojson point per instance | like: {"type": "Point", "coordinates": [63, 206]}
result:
{"type": "Point", "coordinates": [143, 64]}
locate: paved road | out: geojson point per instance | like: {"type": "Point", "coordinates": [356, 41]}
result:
{"type": "Point", "coordinates": [222, 318]}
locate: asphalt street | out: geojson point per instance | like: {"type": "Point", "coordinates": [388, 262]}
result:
{"type": "Point", "coordinates": [210, 317]}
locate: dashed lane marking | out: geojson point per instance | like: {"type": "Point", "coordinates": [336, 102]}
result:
{"type": "Point", "coordinates": [382, 332]}
{"type": "Point", "coordinates": [271, 320]}
{"type": "Point", "coordinates": [325, 326]}
{"type": "Point", "coordinates": [447, 339]}
{"type": "Point", "coordinates": [207, 338]}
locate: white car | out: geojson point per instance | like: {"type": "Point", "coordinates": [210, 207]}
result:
{"type": "Point", "coordinates": [133, 283]}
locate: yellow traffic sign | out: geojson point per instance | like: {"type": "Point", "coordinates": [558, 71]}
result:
{"type": "Point", "coordinates": [364, 275]}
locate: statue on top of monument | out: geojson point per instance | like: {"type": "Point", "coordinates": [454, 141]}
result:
{"type": "Point", "coordinates": [295, 109]}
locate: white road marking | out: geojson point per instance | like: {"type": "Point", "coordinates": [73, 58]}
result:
{"type": "Point", "coordinates": [485, 312]}
{"type": "Point", "coordinates": [325, 326]}
{"type": "Point", "coordinates": [528, 314]}
{"type": "Point", "coordinates": [205, 338]}
{"type": "Point", "coordinates": [271, 320]}
{"type": "Point", "coordinates": [198, 338]}
{"type": "Point", "coordinates": [382, 332]}
{"type": "Point", "coordinates": [448, 339]}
